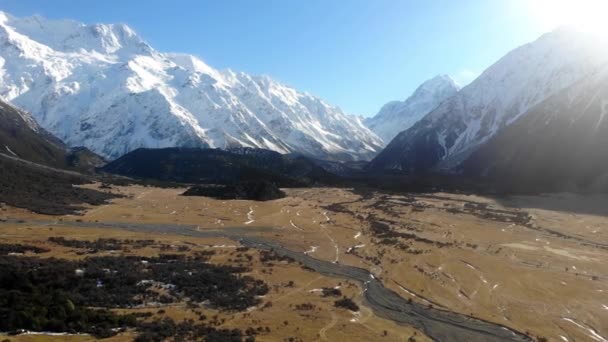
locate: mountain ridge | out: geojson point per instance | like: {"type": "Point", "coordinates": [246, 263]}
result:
{"type": "Point", "coordinates": [103, 87]}
{"type": "Point", "coordinates": [500, 95]}
{"type": "Point", "coordinates": [397, 116]}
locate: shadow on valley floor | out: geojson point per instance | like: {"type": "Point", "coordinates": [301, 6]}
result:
{"type": "Point", "coordinates": [584, 202]}
{"type": "Point", "coordinates": [590, 204]}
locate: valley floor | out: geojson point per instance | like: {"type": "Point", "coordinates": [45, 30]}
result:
{"type": "Point", "coordinates": [534, 265]}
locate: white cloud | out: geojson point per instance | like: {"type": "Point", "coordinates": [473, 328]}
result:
{"type": "Point", "coordinates": [465, 76]}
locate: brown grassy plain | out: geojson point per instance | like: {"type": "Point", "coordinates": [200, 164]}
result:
{"type": "Point", "coordinates": [534, 264]}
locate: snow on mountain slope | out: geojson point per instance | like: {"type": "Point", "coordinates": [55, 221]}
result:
{"type": "Point", "coordinates": [505, 91]}
{"type": "Point", "coordinates": [397, 116]}
{"type": "Point", "coordinates": [559, 145]}
{"type": "Point", "coordinates": [101, 86]}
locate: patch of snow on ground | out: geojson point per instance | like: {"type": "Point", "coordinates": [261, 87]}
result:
{"type": "Point", "coordinates": [592, 332]}
{"type": "Point", "coordinates": [250, 216]}
{"type": "Point", "coordinates": [294, 225]}
{"type": "Point", "coordinates": [311, 250]}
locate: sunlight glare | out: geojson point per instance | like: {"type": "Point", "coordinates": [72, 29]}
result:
{"type": "Point", "coordinates": [585, 15]}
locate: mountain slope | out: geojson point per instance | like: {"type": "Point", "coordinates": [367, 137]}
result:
{"type": "Point", "coordinates": [560, 145]}
{"type": "Point", "coordinates": [37, 169]}
{"type": "Point", "coordinates": [21, 137]}
{"type": "Point", "coordinates": [103, 87]}
{"type": "Point", "coordinates": [397, 116]}
{"type": "Point", "coordinates": [504, 92]}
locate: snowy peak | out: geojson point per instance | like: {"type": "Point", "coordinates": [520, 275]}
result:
{"type": "Point", "coordinates": [73, 36]}
{"type": "Point", "coordinates": [397, 116]}
{"type": "Point", "coordinates": [502, 94]}
{"type": "Point", "coordinates": [193, 64]}
{"type": "Point", "coordinates": [101, 86]}
{"type": "Point", "coordinates": [436, 84]}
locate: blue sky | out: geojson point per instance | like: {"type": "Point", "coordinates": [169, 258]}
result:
{"type": "Point", "coordinates": [356, 54]}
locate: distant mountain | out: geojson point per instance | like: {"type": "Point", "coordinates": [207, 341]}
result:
{"type": "Point", "coordinates": [397, 116]}
{"type": "Point", "coordinates": [217, 166]}
{"type": "Point", "coordinates": [343, 169]}
{"type": "Point", "coordinates": [559, 145]}
{"type": "Point", "coordinates": [22, 138]}
{"type": "Point", "coordinates": [103, 87]}
{"type": "Point", "coordinates": [503, 93]}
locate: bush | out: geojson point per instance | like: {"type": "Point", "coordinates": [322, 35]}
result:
{"type": "Point", "coordinates": [55, 295]}
{"type": "Point", "coordinates": [6, 249]}
{"type": "Point", "coordinates": [256, 191]}
{"type": "Point", "coordinates": [347, 303]}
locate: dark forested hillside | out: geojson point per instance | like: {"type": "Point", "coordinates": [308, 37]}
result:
{"type": "Point", "coordinates": [45, 190]}
{"type": "Point", "coordinates": [192, 165]}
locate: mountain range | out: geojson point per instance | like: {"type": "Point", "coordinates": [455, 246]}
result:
{"type": "Point", "coordinates": [534, 120]}
{"type": "Point", "coordinates": [505, 92]}
{"type": "Point", "coordinates": [103, 87]}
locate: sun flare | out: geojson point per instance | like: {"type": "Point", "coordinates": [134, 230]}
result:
{"type": "Point", "coordinates": [585, 15]}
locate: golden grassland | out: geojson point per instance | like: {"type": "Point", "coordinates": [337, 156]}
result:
{"type": "Point", "coordinates": [323, 323]}
{"type": "Point", "coordinates": [540, 277]}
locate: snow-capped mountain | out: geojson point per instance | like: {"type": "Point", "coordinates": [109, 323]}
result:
{"type": "Point", "coordinates": [103, 87]}
{"type": "Point", "coordinates": [504, 92]}
{"type": "Point", "coordinates": [559, 145]}
{"type": "Point", "coordinates": [397, 116]}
